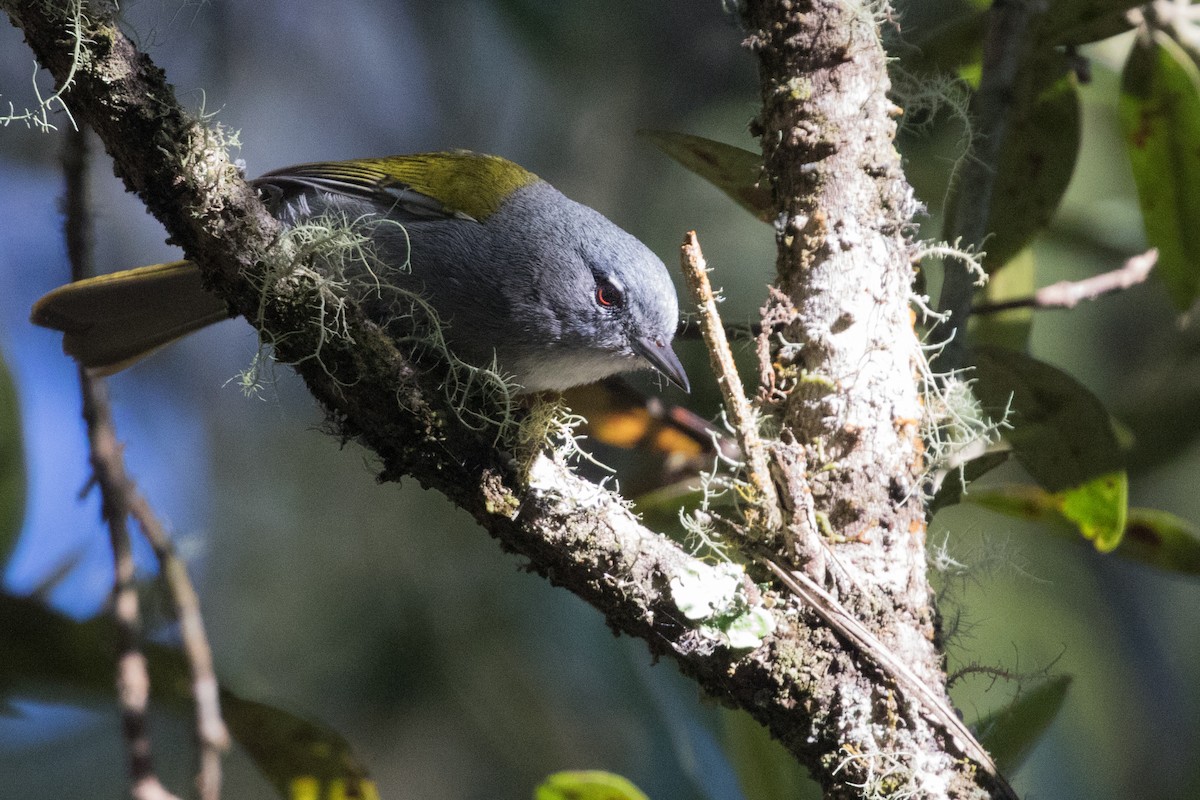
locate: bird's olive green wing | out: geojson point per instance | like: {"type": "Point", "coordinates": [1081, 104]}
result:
{"type": "Point", "coordinates": [456, 183]}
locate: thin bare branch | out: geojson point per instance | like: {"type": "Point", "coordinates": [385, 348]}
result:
{"type": "Point", "coordinates": [737, 408]}
{"type": "Point", "coordinates": [108, 471]}
{"type": "Point", "coordinates": [133, 681]}
{"type": "Point", "coordinates": [118, 496]}
{"type": "Point", "coordinates": [1068, 294]}
{"type": "Point", "coordinates": [212, 736]}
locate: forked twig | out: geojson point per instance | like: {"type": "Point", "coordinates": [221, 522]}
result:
{"type": "Point", "coordinates": [119, 500]}
{"type": "Point", "coordinates": [212, 736]}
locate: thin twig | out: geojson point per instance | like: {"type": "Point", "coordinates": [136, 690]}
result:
{"type": "Point", "coordinates": [133, 680]}
{"type": "Point", "coordinates": [935, 708]}
{"type": "Point", "coordinates": [211, 734]}
{"type": "Point", "coordinates": [737, 407]}
{"type": "Point", "coordinates": [1068, 294]}
{"type": "Point", "coordinates": [108, 471]}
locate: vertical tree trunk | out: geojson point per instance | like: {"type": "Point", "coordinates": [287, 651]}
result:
{"type": "Point", "coordinates": [846, 376]}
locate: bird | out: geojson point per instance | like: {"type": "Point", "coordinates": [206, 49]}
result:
{"type": "Point", "coordinates": [522, 278]}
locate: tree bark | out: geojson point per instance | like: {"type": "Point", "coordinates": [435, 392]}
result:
{"type": "Point", "coordinates": [846, 382]}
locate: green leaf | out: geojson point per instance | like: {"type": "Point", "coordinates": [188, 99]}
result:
{"type": "Point", "coordinates": [1020, 500]}
{"type": "Point", "coordinates": [734, 171]}
{"type": "Point", "coordinates": [1157, 538]}
{"type": "Point", "coordinates": [12, 466]}
{"type": "Point", "coordinates": [1036, 159]}
{"type": "Point", "coordinates": [1010, 733]}
{"type": "Point", "coordinates": [1161, 540]}
{"type": "Point", "coordinates": [1058, 430]}
{"type": "Point", "coordinates": [299, 757]}
{"type": "Point", "coordinates": [1160, 117]}
{"type": "Point", "coordinates": [48, 654]}
{"type": "Point", "coordinates": [588, 785]}
{"type": "Point", "coordinates": [1075, 22]}
{"type": "Point", "coordinates": [1098, 509]}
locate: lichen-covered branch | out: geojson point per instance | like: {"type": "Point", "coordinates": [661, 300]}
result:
{"type": "Point", "coordinates": [843, 380]}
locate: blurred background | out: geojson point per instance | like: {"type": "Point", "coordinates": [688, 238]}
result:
{"type": "Point", "coordinates": [387, 615]}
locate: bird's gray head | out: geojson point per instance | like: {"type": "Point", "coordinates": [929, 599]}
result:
{"type": "Point", "coordinates": [587, 299]}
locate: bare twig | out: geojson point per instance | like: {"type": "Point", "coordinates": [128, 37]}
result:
{"type": "Point", "coordinates": [133, 680]}
{"type": "Point", "coordinates": [211, 734]}
{"type": "Point", "coordinates": [737, 407]}
{"type": "Point", "coordinates": [1068, 294]}
{"type": "Point", "coordinates": [108, 470]}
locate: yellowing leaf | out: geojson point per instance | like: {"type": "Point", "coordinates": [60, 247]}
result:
{"type": "Point", "coordinates": [1098, 509]}
{"type": "Point", "coordinates": [588, 785]}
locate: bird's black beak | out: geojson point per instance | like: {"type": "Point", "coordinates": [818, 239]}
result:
{"type": "Point", "coordinates": [660, 355]}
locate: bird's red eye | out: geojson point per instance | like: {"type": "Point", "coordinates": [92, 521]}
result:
{"type": "Point", "coordinates": [608, 295]}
